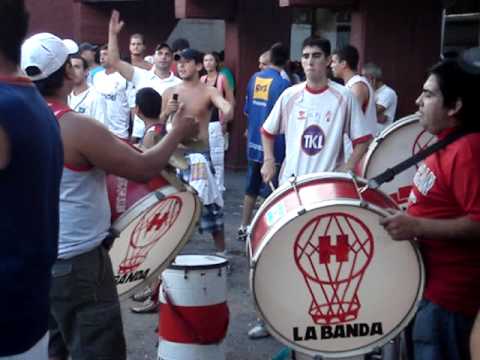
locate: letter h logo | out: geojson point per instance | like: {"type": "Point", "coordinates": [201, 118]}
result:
{"type": "Point", "coordinates": [326, 249]}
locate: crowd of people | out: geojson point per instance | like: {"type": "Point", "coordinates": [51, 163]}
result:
{"type": "Point", "coordinates": [67, 120]}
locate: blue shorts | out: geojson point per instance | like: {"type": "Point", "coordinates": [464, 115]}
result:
{"type": "Point", "coordinates": [255, 185]}
{"type": "Point", "coordinates": [440, 334]}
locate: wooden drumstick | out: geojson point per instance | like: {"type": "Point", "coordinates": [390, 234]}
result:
{"type": "Point", "coordinates": [271, 186]}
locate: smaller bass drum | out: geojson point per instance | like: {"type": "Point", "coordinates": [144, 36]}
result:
{"type": "Point", "coordinates": [399, 141]}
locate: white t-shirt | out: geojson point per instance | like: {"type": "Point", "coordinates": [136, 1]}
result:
{"type": "Point", "coordinates": [90, 103]}
{"type": "Point", "coordinates": [147, 78]}
{"type": "Point", "coordinates": [113, 87]}
{"type": "Point", "coordinates": [385, 96]}
{"type": "Point", "coordinates": [369, 109]}
{"type": "Point", "coordinates": [317, 127]}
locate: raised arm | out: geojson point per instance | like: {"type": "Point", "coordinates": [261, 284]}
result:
{"type": "Point", "coordinates": [223, 105]}
{"type": "Point", "coordinates": [115, 26]}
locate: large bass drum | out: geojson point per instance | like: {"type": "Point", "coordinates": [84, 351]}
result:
{"type": "Point", "coordinates": [153, 222]}
{"type": "Point", "coordinates": [399, 141]}
{"type": "Point", "coordinates": [325, 276]}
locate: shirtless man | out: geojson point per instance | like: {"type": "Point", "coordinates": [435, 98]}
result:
{"type": "Point", "coordinates": [198, 99]}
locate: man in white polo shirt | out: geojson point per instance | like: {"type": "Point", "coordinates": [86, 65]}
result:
{"type": "Point", "coordinates": [114, 88]}
{"type": "Point", "coordinates": [84, 99]}
{"type": "Point", "coordinates": [159, 77]}
{"type": "Point", "coordinates": [385, 97]}
{"type": "Point", "coordinates": [319, 119]}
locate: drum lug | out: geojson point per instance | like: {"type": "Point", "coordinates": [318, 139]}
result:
{"type": "Point", "coordinates": [185, 274]}
{"type": "Point", "coordinates": [293, 183]}
{"type": "Point", "coordinates": [301, 211]}
{"type": "Point", "coordinates": [159, 195]}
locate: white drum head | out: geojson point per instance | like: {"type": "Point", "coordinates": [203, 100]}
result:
{"type": "Point", "coordinates": [149, 242]}
{"type": "Point", "coordinates": [401, 140]}
{"type": "Point", "coordinates": [333, 283]}
{"type": "Point", "coordinates": [189, 262]}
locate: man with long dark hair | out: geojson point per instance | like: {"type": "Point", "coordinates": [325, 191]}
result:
{"type": "Point", "coordinates": [443, 215]}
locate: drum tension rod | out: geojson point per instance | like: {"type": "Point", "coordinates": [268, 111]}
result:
{"type": "Point", "coordinates": [293, 183]}
{"type": "Point", "coordinates": [363, 203]}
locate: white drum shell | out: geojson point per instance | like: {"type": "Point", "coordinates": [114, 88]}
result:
{"type": "Point", "coordinates": [192, 286]}
{"type": "Point", "coordinates": [168, 350]}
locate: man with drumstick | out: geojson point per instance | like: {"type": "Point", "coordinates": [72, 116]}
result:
{"type": "Point", "coordinates": [31, 161]}
{"type": "Point", "coordinates": [443, 214]}
{"type": "Point", "coordinates": [84, 301]}
{"type": "Point", "coordinates": [320, 115]}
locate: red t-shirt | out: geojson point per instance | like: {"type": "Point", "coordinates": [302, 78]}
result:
{"type": "Point", "coordinates": [448, 186]}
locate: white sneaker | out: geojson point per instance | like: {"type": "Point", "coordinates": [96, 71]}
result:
{"type": "Point", "coordinates": [258, 331]}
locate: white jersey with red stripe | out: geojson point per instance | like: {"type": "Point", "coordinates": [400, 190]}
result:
{"type": "Point", "coordinates": [369, 108]}
{"type": "Point", "coordinates": [84, 206]}
{"type": "Point", "coordinates": [318, 126]}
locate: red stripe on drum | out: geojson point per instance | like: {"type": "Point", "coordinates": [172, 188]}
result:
{"type": "Point", "coordinates": [193, 324]}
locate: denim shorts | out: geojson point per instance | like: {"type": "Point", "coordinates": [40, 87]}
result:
{"type": "Point", "coordinates": [441, 334]}
{"type": "Point", "coordinates": [255, 185]}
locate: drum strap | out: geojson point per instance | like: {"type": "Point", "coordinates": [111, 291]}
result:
{"type": "Point", "coordinates": [390, 173]}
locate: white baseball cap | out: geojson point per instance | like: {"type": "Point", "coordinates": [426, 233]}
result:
{"type": "Point", "coordinates": [47, 53]}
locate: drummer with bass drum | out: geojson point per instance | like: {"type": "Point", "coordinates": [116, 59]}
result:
{"type": "Point", "coordinates": [443, 212]}
{"type": "Point", "coordinates": [83, 287]}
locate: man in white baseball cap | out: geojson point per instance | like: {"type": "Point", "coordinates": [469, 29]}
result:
{"type": "Point", "coordinates": [83, 298]}
{"type": "Point", "coordinates": [45, 53]}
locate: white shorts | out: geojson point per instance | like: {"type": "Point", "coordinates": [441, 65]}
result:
{"type": "Point", "coordinates": [39, 351]}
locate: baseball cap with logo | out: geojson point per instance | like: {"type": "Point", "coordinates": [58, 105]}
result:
{"type": "Point", "coordinates": [190, 54]}
{"type": "Point", "coordinates": [45, 53]}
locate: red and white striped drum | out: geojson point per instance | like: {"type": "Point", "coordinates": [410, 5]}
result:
{"type": "Point", "coordinates": [325, 276]}
{"type": "Point", "coordinates": [399, 141]}
{"type": "Point", "coordinates": [153, 222]}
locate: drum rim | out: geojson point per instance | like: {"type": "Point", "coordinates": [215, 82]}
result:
{"type": "Point", "coordinates": [355, 352]}
{"type": "Point", "coordinates": [141, 205]}
{"type": "Point", "coordinates": [300, 180]}
{"type": "Point", "coordinates": [407, 120]}
{"type": "Point", "coordinates": [181, 244]}
{"type": "Point", "coordinates": [223, 263]}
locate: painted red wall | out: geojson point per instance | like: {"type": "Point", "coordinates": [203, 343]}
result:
{"type": "Point", "coordinates": [402, 38]}
{"type": "Point", "coordinates": [89, 22]}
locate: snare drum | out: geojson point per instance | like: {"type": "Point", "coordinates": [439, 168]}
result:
{"type": "Point", "coordinates": [325, 276]}
{"type": "Point", "coordinates": [399, 141]}
{"type": "Point", "coordinates": [193, 308]}
{"type": "Point", "coordinates": [153, 221]}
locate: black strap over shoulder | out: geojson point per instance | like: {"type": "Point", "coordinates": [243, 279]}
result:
{"type": "Point", "coordinates": [390, 173]}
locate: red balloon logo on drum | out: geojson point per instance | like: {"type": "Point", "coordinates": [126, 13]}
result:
{"type": "Point", "coordinates": [332, 251]}
{"type": "Point", "coordinates": [149, 229]}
